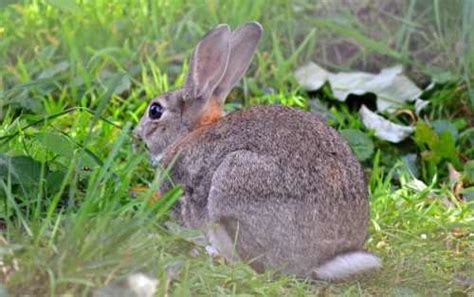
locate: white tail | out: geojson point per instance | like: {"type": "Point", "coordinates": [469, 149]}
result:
{"type": "Point", "coordinates": [346, 265]}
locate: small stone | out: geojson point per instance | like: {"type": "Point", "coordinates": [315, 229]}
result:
{"type": "Point", "coordinates": [135, 285]}
{"type": "Point", "coordinates": [212, 251]}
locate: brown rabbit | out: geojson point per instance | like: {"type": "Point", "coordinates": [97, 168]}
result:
{"type": "Point", "coordinates": [271, 185]}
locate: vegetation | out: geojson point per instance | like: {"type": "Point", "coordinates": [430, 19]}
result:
{"type": "Point", "coordinates": [76, 202]}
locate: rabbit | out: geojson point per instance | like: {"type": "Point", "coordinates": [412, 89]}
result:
{"type": "Point", "coordinates": [271, 185]}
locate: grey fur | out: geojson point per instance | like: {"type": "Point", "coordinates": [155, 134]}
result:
{"type": "Point", "coordinates": [243, 43]}
{"type": "Point", "coordinates": [277, 180]}
{"type": "Point", "coordinates": [208, 62]}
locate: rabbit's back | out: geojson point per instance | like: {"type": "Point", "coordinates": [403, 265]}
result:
{"type": "Point", "coordinates": [317, 165]}
{"type": "Point", "coordinates": [297, 141]}
{"type": "Point", "coordinates": [282, 173]}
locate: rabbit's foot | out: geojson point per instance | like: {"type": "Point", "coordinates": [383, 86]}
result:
{"type": "Point", "coordinates": [221, 243]}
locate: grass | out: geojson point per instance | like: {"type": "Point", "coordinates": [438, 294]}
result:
{"type": "Point", "coordinates": [76, 77]}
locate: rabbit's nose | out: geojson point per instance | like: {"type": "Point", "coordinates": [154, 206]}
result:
{"type": "Point", "coordinates": [137, 140]}
{"type": "Point", "coordinates": [137, 133]}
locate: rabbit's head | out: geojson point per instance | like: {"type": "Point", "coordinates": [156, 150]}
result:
{"type": "Point", "coordinates": [219, 60]}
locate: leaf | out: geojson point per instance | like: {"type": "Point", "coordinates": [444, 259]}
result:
{"type": "Point", "coordinates": [443, 125]}
{"type": "Point", "coordinates": [56, 143]}
{"type": "Point", "coordinates": [420, 105]}
{"type": "Point", "coordinates": [55, 180]}
{"type": "Point", "coordinates": [416, 185]}
{"type": "Point", "coordinates": [446, 147]}
{"type": "Point", "coordinates": [23, 170]}
{"type": "Point", "coordinates": [424, 134]}
{"type": "Point", "coordinates": [430, 156]}
{"type": "Point", "coordinates": [312, 77]}
{"type": "Point", "coordinates": [384, 129]}
{"type": "Point", "coordinates": [62, 146]}
{"type": "Point", "coordinates": [360, 143]}
{"type": "Point", "coordinates": [391, 87]}
{"type": "Point", "coordinates": [54, 70]}
{"type": "Point", "coordinates": [442, 146]}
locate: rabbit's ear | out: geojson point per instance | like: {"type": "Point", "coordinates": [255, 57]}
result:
{"type": "Point", "coordinates": [208, 63]}
{"type": "Point", "coordinates": [243, 43]}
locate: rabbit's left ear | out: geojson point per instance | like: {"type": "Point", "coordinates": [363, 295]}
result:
{"type": "Point", "coordinates": [208, 64]}
{"type": "Point", "coordinates": [243, 44]}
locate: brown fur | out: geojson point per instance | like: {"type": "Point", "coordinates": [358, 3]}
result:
{"type": "Point", "coordinates": [278, 181]}
{"type": "Point", "coordinates": [211, 114]}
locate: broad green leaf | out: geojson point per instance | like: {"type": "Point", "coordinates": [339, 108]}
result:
{"type": "Point", "coordinates": [23, 170]}
{"type": "Point", "coordinates": [56, 143]}
{"type": "Point", "coordinates": [62, 146]}
{"type": "Point", "coordinates": [89, 160]}
{"type": "Point", "coordinates": [55, 180]}
{"type": "Point", "coordinates": [446, 146]}
{"type": "Point", "coordinates": [424, 134]}
{"type": "Point", "coordinates": [360, 143]}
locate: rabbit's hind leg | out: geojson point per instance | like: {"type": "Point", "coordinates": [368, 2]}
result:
{"type": "Point", "coordinates": [244, 221]}
{"type": "Point", "coordinates": [234, 244]}
{"type": "Point", "coordinates": [221, 240]}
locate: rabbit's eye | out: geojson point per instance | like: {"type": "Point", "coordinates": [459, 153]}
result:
{"type": "Point", "coordinates": [156, 111]}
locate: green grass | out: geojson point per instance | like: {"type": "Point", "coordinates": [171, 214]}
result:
{"type": "Point", "coordinates": [75, 78]}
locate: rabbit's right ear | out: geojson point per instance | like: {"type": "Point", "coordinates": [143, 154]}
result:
{"type": "Point", "coordinates": [243, 43]}
{"type": "Point", "coordinates": [208, 64]}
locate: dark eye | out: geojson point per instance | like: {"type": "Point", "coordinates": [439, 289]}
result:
{"type": "Point", "coordinates": [155, 111]}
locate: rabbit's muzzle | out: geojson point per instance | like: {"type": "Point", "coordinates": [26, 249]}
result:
{"type": "Point", "coordinates": [137, 140]}
{"type": "Point", "coordinates": [138, 144]}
